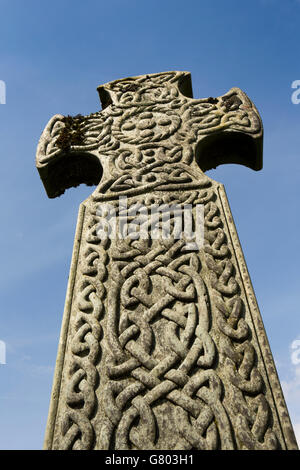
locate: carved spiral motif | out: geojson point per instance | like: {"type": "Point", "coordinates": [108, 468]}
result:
{"type": "Point", "coordinates": [146, 125]}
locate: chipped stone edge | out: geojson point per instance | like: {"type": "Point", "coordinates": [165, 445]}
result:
{"type": "Point", "coordinates": [55, 393]}
{"type": "Point", "coordinates": [262, 339]}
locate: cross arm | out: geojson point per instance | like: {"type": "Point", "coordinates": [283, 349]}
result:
{"type": "Point", "coordinates": [228, 130]}
{"type": "Point", "coordinates": [68, 149]}
{"type": "Point", "coordinates": [149, 113]}
{"type": "Point", "coordinates": [66, 153]}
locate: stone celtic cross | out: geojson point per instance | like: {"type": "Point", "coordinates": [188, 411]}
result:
{"type": "Point", "coordinates": [161, 347]}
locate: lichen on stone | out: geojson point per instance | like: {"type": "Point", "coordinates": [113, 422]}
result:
{"type": "Point", "coordinates": [72, 133]}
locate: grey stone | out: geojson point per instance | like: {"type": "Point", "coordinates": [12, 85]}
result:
{"type": "Point", "coordinates": [161, 347]}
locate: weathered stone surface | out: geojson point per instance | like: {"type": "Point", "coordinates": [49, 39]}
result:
{"type": "Point", "coordinates": [161, 347]}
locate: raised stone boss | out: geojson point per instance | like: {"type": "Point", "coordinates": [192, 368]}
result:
{"type": "Point", "coordinates": [161, 347]}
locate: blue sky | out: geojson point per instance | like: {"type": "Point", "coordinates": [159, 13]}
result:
{"type": "Point", "coordinates": [53, 55]}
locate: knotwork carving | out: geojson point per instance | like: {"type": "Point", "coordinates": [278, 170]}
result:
{"type": "Point", "coordinates": [162, 349]}
{"type": "Point", "coordinates": [250, 411]}
{"type": "Point", "coordinates": [156, 378]}
{"type": "Point", "coordinates": [146, 124]}
{"type": "Point", "coordinates": [157, 292]}
{"type": "Point", "coordinates": [76, 429]}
